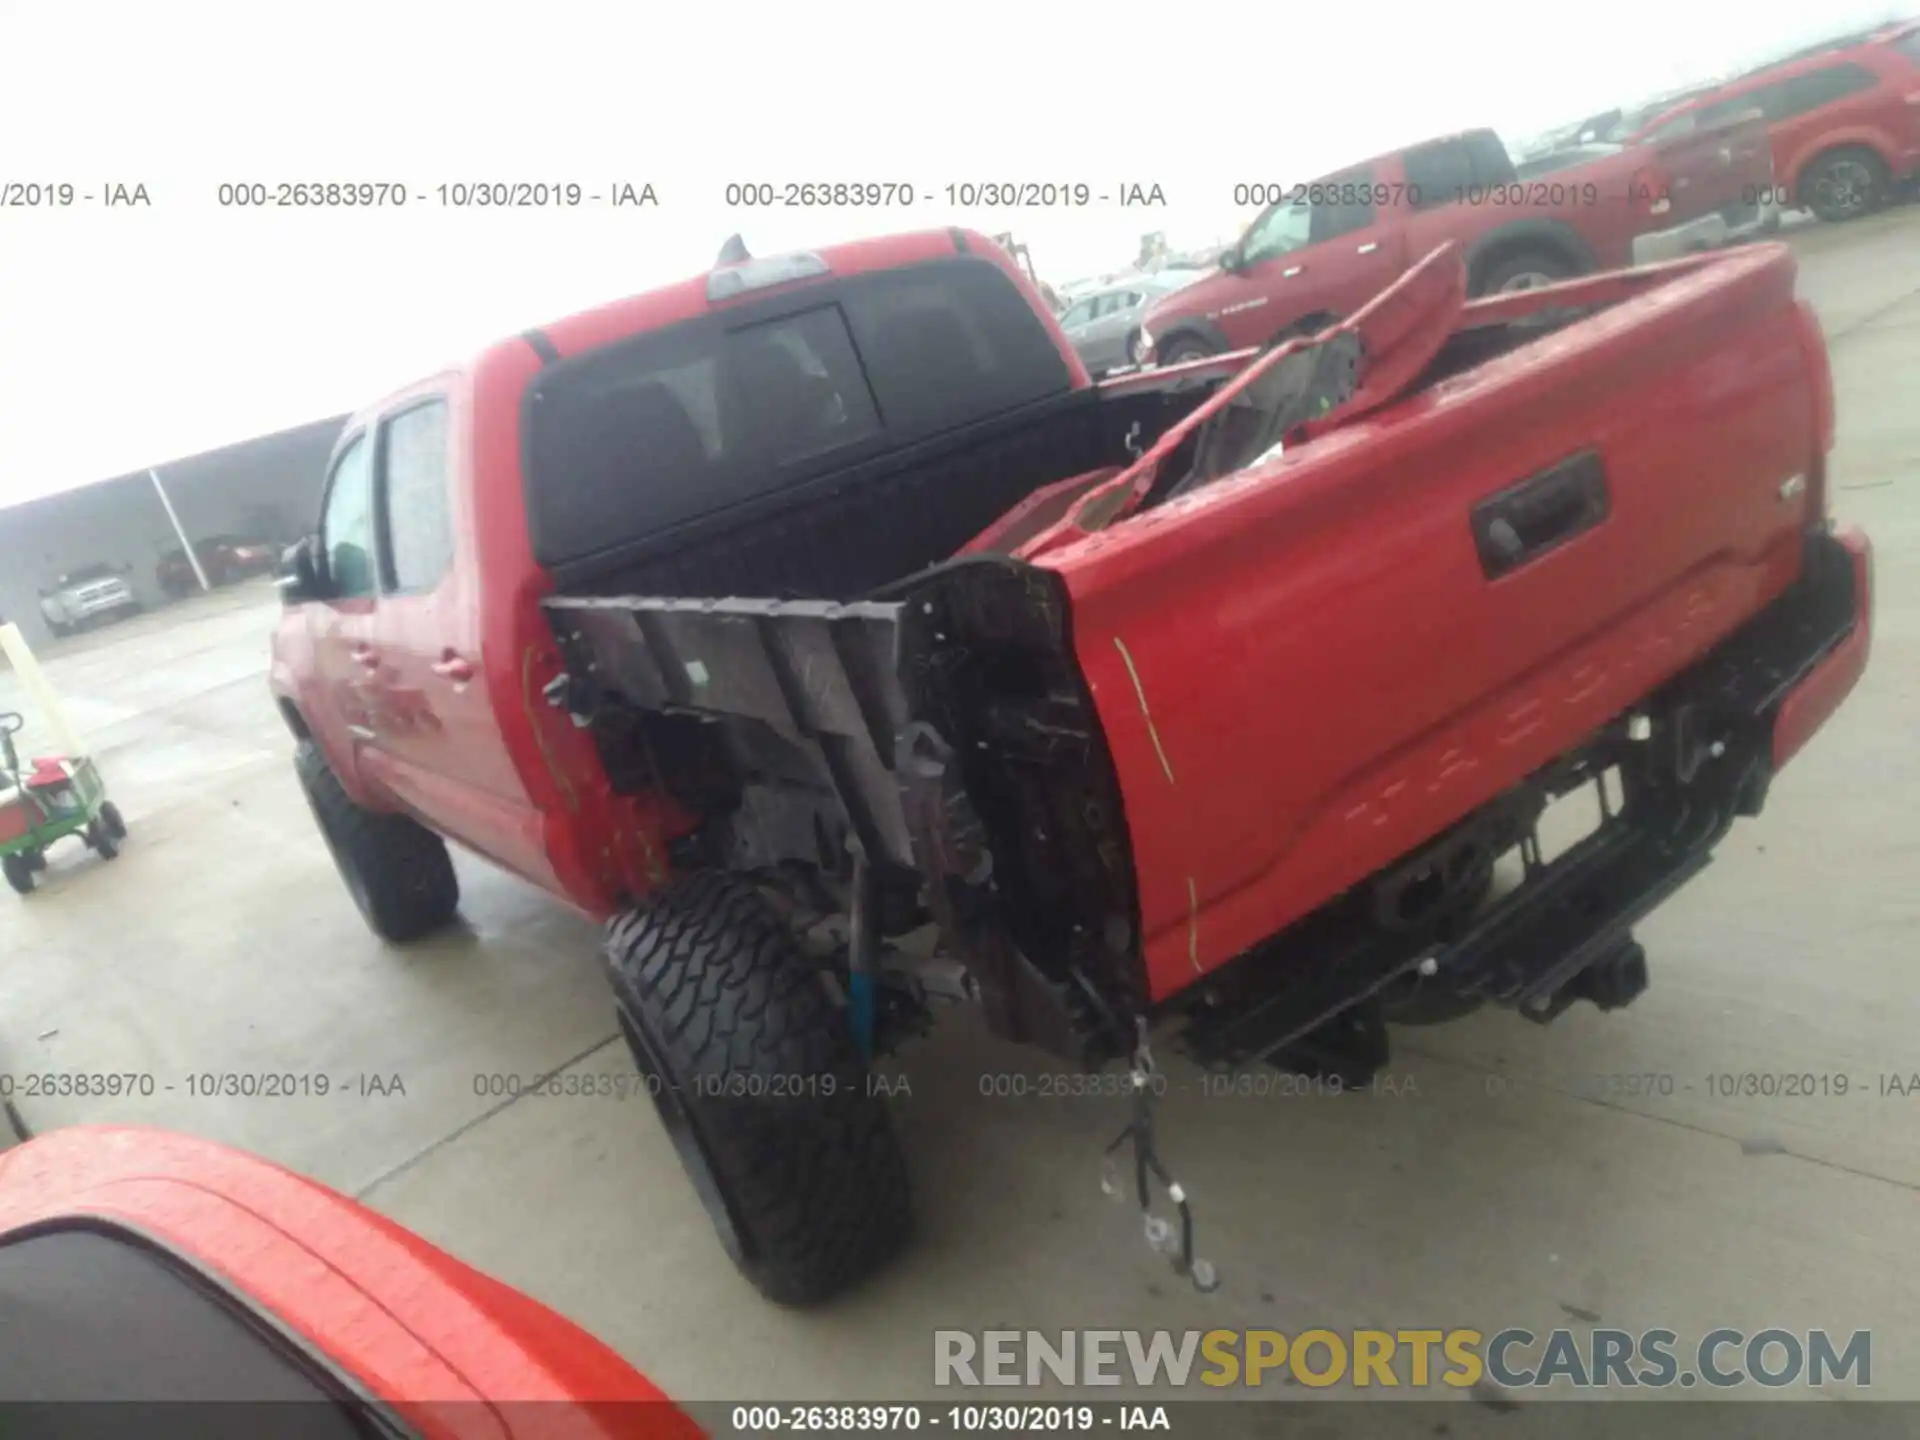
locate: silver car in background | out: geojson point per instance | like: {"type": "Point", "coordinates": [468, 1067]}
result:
{"type": "Point", "coordinates": [86, 597]}
{"type": "Point", "coordinates": [1103, 325]}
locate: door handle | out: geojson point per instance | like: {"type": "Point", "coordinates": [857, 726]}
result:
{"type": "Point", "coordinates": [455, 668]}
{"type": "Point", "coordinates": [1368, 248]}
{"type": "Point", "coordinates": [1291, 271]}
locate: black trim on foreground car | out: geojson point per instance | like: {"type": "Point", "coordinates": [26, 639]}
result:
{"type": "Point", "coordinates": [542, 345]}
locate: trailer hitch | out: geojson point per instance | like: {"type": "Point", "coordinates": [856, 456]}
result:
{"type": "Point", "coordinates": [1147, 1165]}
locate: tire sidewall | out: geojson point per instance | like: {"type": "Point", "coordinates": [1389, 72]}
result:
{"type": "Point", "coordinates": [752, 1067]}
{"type": "Point", "coordinates": [351, 873]}
{"type": "Point", "coordinates": [688, 1133]}
{"type": "Point", "coordinates": [1184, 350]}
{"type": "Point", "coordinates": [1537, 262]}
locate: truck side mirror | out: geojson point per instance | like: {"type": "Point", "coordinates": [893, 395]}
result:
{"type": "Point", "coordinates": [1230, 260]}
{"type": "Point", "coordinates": [302, 571]}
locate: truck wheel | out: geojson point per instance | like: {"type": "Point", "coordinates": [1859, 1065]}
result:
{"type": "Point", "coordinates": [19, 872]}
{"type": "Point", "coordinates": [101, 840]}
{"type": "Point", "coordinates": [1845, 184]}
{"type": "Point", "coordinates": [397, 870]}
{"type": "Point", "coordinates": [110, 818]}
{"type": "Point", "coordinates": [1526, 270]}
{"type": "Point", "coordinates": [1305, 328]}
{"type": "Point", "coordinates": [1184, 348]}
{"type": "Point", "coordinates": [755, 1074]}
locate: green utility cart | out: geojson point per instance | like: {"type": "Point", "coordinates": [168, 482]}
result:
{"type": "Point", "coordinates": [46, 801]}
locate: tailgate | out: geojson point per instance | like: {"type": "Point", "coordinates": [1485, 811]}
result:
{"type": "Point", "coordinates": [1724, 167]}
{"type": "Point", "coordinates": [1309, 669]}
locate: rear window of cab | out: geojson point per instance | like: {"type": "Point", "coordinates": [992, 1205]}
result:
{"type": "Point", "coordinates": [649, 434]}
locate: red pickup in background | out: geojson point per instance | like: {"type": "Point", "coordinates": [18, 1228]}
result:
{"type": "Point", "coordinates": [1323, 249]}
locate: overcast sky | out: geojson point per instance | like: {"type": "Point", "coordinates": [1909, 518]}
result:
{"type": "Point", "coordinates": [131, 337]}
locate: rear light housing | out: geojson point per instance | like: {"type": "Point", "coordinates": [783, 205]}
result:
{"type": "Point", "coordinates": [1813, 349]}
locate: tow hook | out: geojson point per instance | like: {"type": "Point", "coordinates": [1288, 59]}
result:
{"type": "Point", "coordinates": [1160, 1232]}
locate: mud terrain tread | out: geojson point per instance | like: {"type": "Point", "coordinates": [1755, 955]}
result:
{"type": "Point", "coordinates": [816, 1185]}
{"type": "Point", "coordinates": [406, 886]}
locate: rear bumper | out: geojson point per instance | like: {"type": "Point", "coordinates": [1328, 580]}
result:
{"type": "Point", "coordinates": [1706, 232]}
{"type": "Point", "coordinates": [1738, 221]}
{"type": "Point", "coordinates": [1818, 692]}
{"type": "Point", "coordinates": [1717, 735]}
{"type": "Point", "coordinates": [80, 611]}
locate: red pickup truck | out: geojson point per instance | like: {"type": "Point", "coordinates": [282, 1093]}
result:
{"type": "Point", "coordinates": [818, 625]}
{"type": "Point", "coordinates": [1321, 250]}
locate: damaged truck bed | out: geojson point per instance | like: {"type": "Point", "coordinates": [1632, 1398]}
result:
{"type": "Point", "coordinates": [1256, 727]}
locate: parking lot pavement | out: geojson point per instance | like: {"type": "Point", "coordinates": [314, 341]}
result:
{"type": "Point", "coordinates": [1507, 1175]}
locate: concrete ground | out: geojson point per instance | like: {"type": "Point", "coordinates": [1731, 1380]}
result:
{"type": "Point", "coordinates": [1512, 1177]}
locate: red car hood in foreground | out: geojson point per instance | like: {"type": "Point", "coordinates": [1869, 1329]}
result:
{"type": "Point", "coordinates": [309, 1291]}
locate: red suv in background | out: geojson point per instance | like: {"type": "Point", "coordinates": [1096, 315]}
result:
{"type": "Point", "coordinates": [1844, 124]}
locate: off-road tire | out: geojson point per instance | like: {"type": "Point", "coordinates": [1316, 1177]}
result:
{"type": "Point", "coordinates": [19, 871]}
{"type": "Point", "coordinates": [1876, 186]}
{"type": "Point", "coordinates": [101, 840]}
{"type": "Point", "coordinates": [112, 821]}
{"type": "Point", "coordinates": [754, 1071]}
{"type": "Point", "coordinates": [397, 870]}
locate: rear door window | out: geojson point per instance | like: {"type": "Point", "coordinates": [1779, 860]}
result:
{"type": "Point", "coordinates": [1492, 165]}
{"type": "Point", "coordinates": [1344, 204]}
{"type": "Point", "coordinates": [417, 500]}
{"type": "Point", "coordinates": [346, 525]}
{"type": "Point", "coordinates": [648, 434]}
{"type": "Point", "coordinates": [1438, 174]}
